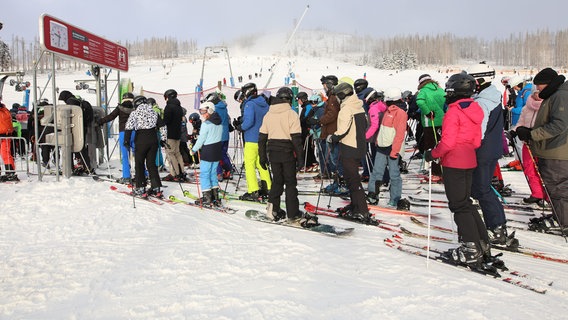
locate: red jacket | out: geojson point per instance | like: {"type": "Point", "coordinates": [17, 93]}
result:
{"type": "Point", "coordinates": [6, 127]}
{"type": "Point", "coordinates": [461, 135]}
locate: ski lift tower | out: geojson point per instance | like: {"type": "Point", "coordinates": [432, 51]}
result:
{"type": "Point", "coordinates": [212, 50]}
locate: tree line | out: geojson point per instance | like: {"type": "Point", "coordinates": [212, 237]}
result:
{"type": "Point", "coordinates": [530, 50]}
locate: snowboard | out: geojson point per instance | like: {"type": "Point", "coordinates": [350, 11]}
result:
{"type": "Point", "coordinates": [326, 229]}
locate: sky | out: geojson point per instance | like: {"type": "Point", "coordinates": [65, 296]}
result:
{"type": "Point", "coordinates": [211, 23]}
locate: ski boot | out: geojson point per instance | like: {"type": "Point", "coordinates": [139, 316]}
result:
{"type": "Point", "coordinates": [138, 192]}
{"type": "Point", "coordinates": [126, 181]}
{"type": "Point", "coordinates": [403, 204]}
{"type": "Point", "coordinates": [206, 200]}
{"type": "Point", "coordinates": [543, 224]}
{"type": "Point", "coordinates": [469, 254]}
{"type": "Point", "coordinates": [490, 260]}
{"type": "Point", "coordinates": [263, 191]}
{"type": "Point", "coordinates": [155, 192]}
{"type": "Point", "coordinates": [373, 197]}
{"type": "Point", "coordinates": [252, 196]}
{"type": "Point", "coordinates": [215, 197]}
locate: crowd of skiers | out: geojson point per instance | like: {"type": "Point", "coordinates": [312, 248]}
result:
{"type": "Point", "coordinates": [462, 129]}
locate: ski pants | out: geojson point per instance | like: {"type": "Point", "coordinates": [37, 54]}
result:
{"type": "Point", "coordinates": [225, 164]}
{"type": "Point", "coordinates": [457, 183]}
{"type": "Point", "coordinates": [555, 176]}
{"type": "Point", "coordinates": [145, 158]}
{"type": "Point", "coordinates": [6, 153]}
{"type": "Point", "coordinates": [208, 174]}
{"type": "Point", "coordinates": [284, 174]}
{"type": "Point", "coordinates": [252, 163]}
{"type": "Point", "coordinates": [174, 157]}
{"type": "Point", "coordinates": [533, 179]}
{"type": "Point", "coordinates": [483, 191]}
{"type": "Point", "coordinates": [125, 153]}
{"type": "Point", "coordinates": [353, 181]}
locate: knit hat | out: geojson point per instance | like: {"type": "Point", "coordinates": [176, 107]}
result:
{"type": "Point", "coordinates": [545, 76]}
{"type": "Point", "coordinates": [423, 78]}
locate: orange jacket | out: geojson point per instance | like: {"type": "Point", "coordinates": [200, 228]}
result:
{"type": "Point", "coordinates": [6, 127]}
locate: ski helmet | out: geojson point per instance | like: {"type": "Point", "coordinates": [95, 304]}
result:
{"type": "Point", "coordinates": [392, 94]}
{"type": "Point", "coordinates": [302, 96]}
{"type": "Point", "coordinates": [127, 95]}
{"type": "Point", "coordinates": [138, 100]}
{"type": "Point", "coordinates": [329, 81]}
{"type": "Point", "coordinates": [360, 85]}
{"type": "Point", "coordinates": [371, 97]}
{"type": "Point", "coordinates": [482, 72]}
{"type": "Point", "coordinates": [315, 98]}
{"type": "Point", "coordinates": [208, 106]}
{"type": "Point", "coordinates": [213, 97]}
{"type": "Point", "coordinates": [515, 81]}
{"type": "Point", "coordinates": [170, 94]}
{"type": "Point", "coordinates": [151, 101]}
{"type": "Point", "coordinates": [403, 204]}
{"type": "Point", "coordinates": [343, 90]}
{"type": "Point", "coordinates": [505, 80]}
{"type": "Point", "coordinates": [249, 89]}
{"type": "Point", "coordinates": [460, 85]}
{"type": "Point", "coordinates": [285, 93]}
{"type": "Point", "coordinates": [194, 117]}
{"type": "Point", "coordinates": [406, 94]}
{"type": "Point", "coordinates": [238, 95]}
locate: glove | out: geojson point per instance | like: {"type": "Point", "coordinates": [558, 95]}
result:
{"type": "Point", "coordinates": [263, 162]}
{"type": "Point", "coordinates": [164, 144]}
{"type": "Point", "coordinates": [524, 133]}
{"type": "Point", "coordinates": [430, 115]}
{"type": "Point", "coordinates": [329, 139]}
{"type": "Point", "coordinates": [191, 152]}
{"type": "Point", "coordinates": [394, 158]}
{"type": "Point", "coordinates": [510, 135]}
{"type": "Point", "coordinates": [237, 123]}
{"type": "Point", "coordinates": [428, 155]}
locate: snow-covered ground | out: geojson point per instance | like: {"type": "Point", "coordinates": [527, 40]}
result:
{"type": "Point", "coordinates": [73, 249]}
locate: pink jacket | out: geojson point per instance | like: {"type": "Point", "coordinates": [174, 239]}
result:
{"type": "Point", "coordinates": [375, 109]}
{"type": "Point", "coordinates": [528, 114]}
{"type": "Point", "coordinates": [461, 135]}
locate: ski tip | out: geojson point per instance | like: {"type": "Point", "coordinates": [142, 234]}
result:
{"type": "Point", "coordinates": [113, 188]}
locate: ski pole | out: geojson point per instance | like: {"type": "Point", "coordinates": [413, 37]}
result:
{"type": "Point", "coordinates": [197, 180]}
{"type": "Point", "coordinates": [429, 215]}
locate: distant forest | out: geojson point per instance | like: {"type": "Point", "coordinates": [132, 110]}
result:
{"type": "Point", "coordinates": [531, 50]}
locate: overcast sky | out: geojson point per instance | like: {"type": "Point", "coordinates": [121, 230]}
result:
{"type": "Point", "coordinates": [210, 22]}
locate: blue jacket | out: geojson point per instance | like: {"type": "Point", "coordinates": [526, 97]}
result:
{"type": "Point", "coordinates": [209, 140]}
{"type": "Point", "coordinates": [520, 102]}
{"type": "Point", "coordinates": [489, 99]}
{"type": "Point", "coordinates": [221, 109]}
{"type": "Point", "coordinates": [254, 111]}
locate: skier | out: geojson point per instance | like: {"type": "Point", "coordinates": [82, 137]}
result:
{"type": "Point", "coordinates": [430, 99]}
{"type": "Point", "coordinates": [6, 130]}
{"type": "Point", "coordinates": [159, 155]}
{"type": "Point", "coordinates": [122, 111]}
{"type": "Point", "coordinates": [173, 113]}
{"type": "Point", "coordinates": [312, 120]}
{"type": "Point", "coordinates": [488, 154]}
{"type": "Point", "coordinates": [350, 137]}
{"type": "Point", "coordinates": [255, 107]}
{"type": "Point", "coordinates": [145, 121]}
{"type": "Point", "coordinates": [363, 90]}
{"type": "Point", "coordinates": [390, 141]}
{"type": "Point", "coordinates": [225, 168]}
{"type": "Point", "coordinates": [280, 143]}
{"type": "Point", "coordinates": [311, 164]}
{"type": "Point", "coordinates": [461, 135]}
{"type": "Point", "coordinates": [83, 159]}
{"type": "Point", "coordinates": [210, 146]}
{"type": "Point", "coordinates": [547, 140]}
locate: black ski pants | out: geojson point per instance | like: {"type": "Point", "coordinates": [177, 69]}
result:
{"type": "Point", "coordinates": [284, 174]}
{"type": "Point", "coordinates": [145, 149]}
{"type": "Point", "coordinates": [353, 181]}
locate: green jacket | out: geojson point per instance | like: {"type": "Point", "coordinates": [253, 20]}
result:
{"type": "Point", "coordinates": [431, 98]}
{"type": "Point", "coordinates": [550, 131]}
{"type": "Point", "coordinates": [17, 128]}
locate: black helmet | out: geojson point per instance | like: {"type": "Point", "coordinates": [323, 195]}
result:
{"type": "Point", "coordinates": [213, 97]}
{"type": "Point", "coordinates": [330, 81]}
{"type": "Point", "coordinates": [372, 96]}
{"type": "Point", "coordinates": [460, 85]}
{"type": "Point", "coordinates": [151, 101]}
{"type": "Point", "coordinates": [138, 100]}
{"type": "Point", "coordinates": [249, 89]}
{"type": "Point", "coordinates": [342, 90]}
{"type": "Point", "coordinates": [406, 94]}
{"type": "Point", "coordinates": [193, 117]}
{"type": "Point", "coordinates": [170, 94]}
{"type": "Point", "coordinates": [302, 96]}
{"type": "Point", "coordinates": [285, 93]}
{"type": "Point", "coordinates": [127, 95]}
{"type": "Point", "coordinates": [360, 85]}
{"type": "Point", "coordinates": [238, 95]}
{"type": "Point", "coordinates": [403, 204]}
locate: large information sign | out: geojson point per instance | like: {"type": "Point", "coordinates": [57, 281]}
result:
{"type": "Point", "coordinates": [60, 37]}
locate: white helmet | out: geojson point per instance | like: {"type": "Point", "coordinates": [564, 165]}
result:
{"type": "Point", "coordinates": [392, 94]}
{"type": "Point", "coordinates": [515, 81]}
{"type": "Point", "coordinates": [207, 105]}
{"type": "Point", "coordinates": [482, 72]}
